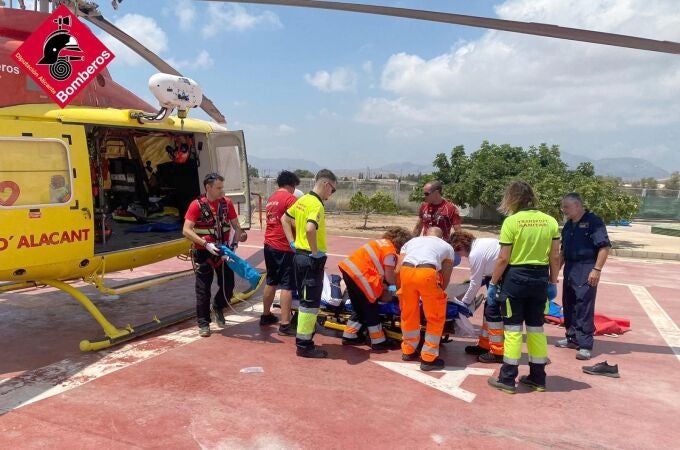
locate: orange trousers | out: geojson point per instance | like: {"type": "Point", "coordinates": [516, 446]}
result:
{"type": "Point", "coordinates": [421, 284]}
{"type": "Point", "coordinates": [491, 337]}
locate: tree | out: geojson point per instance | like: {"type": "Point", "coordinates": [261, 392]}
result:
{"type": "Point", "coordinates": [481, 177]}
{"type": "Point", "coordinates": [378, 202]}
{"type": "Point", "coordinates": [673, 182]}
{"type": "Point", "coordinates": [303, 173]}
{"type": "Point", "coordinates": [253, 172]}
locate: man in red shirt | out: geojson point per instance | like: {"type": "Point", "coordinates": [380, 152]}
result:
{"type": "Point", "coordinates": [208, 223]}
{"type": "Point", "coordinates": [278, 255]}
{"type": "Point", "coordinates": [436, 211]}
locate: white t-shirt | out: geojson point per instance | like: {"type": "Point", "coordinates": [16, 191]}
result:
{"type": "Point", "coordinates": [427, 250]}
{"type": "Point", "coordinates": [482, 259]}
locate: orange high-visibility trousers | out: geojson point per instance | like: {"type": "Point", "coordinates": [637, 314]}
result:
{"type": "Point", "coordinates": [421, 284]}
{"type": "Point", "coordinates": [491, 338]}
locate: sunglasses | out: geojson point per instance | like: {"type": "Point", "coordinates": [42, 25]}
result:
{"type": "Point", "coordinates": [333, 189]}
{"type": "Point", "coordinates": [425, 194]}
{"type": "Point", "coordinates": [212, 176]}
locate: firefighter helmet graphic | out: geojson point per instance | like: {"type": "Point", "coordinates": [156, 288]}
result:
{"type": "Point", "coordinates": [57, 43]}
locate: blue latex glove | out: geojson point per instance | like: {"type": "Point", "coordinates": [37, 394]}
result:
{"type": "Point", "coordinates": [552, 291]}
{"type": "Point", "coordinates": [491, 294]}
{"type": "Point", "coordinates": [292, 245]}
{"type": "Point", "coordinates": [456, 259]}
{"type": "Point", "coordinates": [392, 288]}
{"type": "Point", "coordinates": [319, 254]}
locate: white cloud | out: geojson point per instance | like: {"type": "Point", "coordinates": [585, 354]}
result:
{"type": "Point", "coordinates": [340, 80]}
{"type": "Point", "coordinates": [524, 82]}
{"type": "Point", "coordinates": [404, 132]}
{"type": "Point", "coordinates": [202, 61]}
{"type": "Point", "coordinates": [143, 29]}
{"type": "Point", "coordinates": [285, 129]}
{"type": "Point", "coordinates": [185, 12]}
{"type": "Point", "coordinates": [223, 17]}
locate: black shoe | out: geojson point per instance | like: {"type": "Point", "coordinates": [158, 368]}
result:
{"type": "Point", "coordinates": [437, 364]}
{"type": "Point", "coordinates": [311, 352]}
{"type": "Point", "coordinates": [218, 316]}
{"type": "Point", "coordinates": [204, 331]}
{"type": "Point", "coordinates": [475, 350]}
{"type": "Point", "coordinates": [501, 386]}
{"type": "Point", "coordinates": [603, 369]}
{"type": "Point", "coordinates": [285, 329]}
{"type": "Point", "coordinates": [268, 319]}
{"type": "Point", "coordinates": [388, 344]}
{"type": "Point", "coordinates": [353, 341]}
{"type": "Point", "coordinates": [524, 379]}
{"type": "Point", "coordinates": [411, 357]}
{"type": "Point", "coordinates": [490, 358]}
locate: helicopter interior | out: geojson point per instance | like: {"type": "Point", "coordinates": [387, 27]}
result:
{"type": "Point", "coordinates": [142, 184]}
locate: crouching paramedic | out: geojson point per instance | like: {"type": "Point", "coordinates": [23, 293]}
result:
{"type": "Point", "coordinates": [528, 265]}
{"type": "Point", "coordinates": [307, 215]}
{"type": "Point", "coordinates": [369, 275]}
{"type": "Point", "coordinates": [424, 268]}
{"type": "Point", "coordinates": [482, 254]}
{"type": "Point", "coordinates": [207, 223]}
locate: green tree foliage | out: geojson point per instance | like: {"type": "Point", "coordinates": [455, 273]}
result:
{"type": "Point", "coordinates": [378, 202]}
{"type": "Point", "coordinates": [253, 172]}
{"type": "Point", "coordinates": [303, 173]}
{"type": "Point", "coordinates": [673, 182]}
{"type": "Point", "coordinates": [481, 177]}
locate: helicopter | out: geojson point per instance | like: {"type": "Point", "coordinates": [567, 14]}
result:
{"type": "Point", "coordinates": [103, 184]}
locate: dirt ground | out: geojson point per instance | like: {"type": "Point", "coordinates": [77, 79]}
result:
{"type": "Point", "coordinates": [344, 224]}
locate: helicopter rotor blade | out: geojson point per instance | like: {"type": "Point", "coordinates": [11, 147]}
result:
{"type": "Point", "coordinates": [206, 105]}
{"type": "Point", "coordinates": [534, 28]}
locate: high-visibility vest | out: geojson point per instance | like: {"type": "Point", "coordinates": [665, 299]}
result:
{"type": "Point", "coordinates": [365, 266]}
{"type": "Point", "coordinates": [207, 227]}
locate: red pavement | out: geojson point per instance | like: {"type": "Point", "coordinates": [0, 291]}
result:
{"type": "Point", "coordinates": [185, 392]}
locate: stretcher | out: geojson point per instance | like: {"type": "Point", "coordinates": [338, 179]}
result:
{"type": "Point", "coordinates": [336, 309]}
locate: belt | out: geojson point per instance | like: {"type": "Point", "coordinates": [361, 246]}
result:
{"type": "Point", "coordinates": [420, 266]}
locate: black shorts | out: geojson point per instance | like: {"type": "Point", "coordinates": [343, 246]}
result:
{"type": "Point", "coordinates": [279, 267]}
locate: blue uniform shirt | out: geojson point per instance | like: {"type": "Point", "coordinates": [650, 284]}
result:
{"type": "Point", "coordinates": [582, 240]}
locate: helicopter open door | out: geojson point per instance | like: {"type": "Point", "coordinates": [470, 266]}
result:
{"type": "Point", "coordinates": [227, 153]}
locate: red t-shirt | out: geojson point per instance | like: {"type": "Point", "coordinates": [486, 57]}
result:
{"type": "Point", "coordinates": [444, 215]}
{"type": "Point", "coordinates": [194, 215]}
{"type": "Point", "coordinates": [277, 205]}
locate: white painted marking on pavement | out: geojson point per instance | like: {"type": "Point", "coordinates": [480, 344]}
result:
{"type": "Point", "coordinates": [662, 321]}
{"type": "Point", "coordinates": [449, 383]}
{"type": "Point", "coordinates": [38, 384]}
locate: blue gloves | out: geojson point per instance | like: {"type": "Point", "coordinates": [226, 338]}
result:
{"type": "Point", "coordinates": [319, 254]}
{"type": "Point", "coordinates": [292, 245]}
{"type": "Point", "coordinates": [491, 294]}
{"type": "Point", "coordinates": [456, 260]}
{"type": "Point", "coordinates": [552, 291]}
{"type": "Point", "coordinates": [392, 288]}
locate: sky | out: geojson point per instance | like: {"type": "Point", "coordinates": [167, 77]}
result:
{"type": "Point", "coordinates": [348, 90]}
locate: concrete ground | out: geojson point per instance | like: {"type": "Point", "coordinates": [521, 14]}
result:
{"type": "Point", "coordinates": [244, 387]}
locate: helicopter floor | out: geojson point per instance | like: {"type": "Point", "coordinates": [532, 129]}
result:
{"type": "Point", "coordinates": [122, 238]}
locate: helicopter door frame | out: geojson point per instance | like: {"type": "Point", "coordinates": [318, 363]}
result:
{"type": "Point", "coordinates": [227, 156]}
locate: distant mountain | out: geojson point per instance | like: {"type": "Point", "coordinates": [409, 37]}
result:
{"type": "Point", "coordinates": [629, 168]}
{"type": "Point", "coordinates": [626, 168]}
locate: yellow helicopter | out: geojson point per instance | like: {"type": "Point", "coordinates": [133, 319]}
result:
{"type": "Point", "coordinates": [102, 185]}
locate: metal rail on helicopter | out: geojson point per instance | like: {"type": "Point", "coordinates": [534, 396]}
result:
{"type": "Point", "coordinates": [108, 156]}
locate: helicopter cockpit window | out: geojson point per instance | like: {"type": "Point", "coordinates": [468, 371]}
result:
{"type": "Point", "coordinates": [34, 172]}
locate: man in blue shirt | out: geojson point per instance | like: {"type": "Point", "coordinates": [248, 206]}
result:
{"type": "Point", "coordinates": [585, 247]}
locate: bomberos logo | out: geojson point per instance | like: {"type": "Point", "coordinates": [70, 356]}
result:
{"type": "Point", "coordinates": [62, 56]}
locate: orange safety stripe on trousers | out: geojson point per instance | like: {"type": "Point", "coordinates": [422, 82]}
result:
{"type": "Point", "coordinates": [496, 338]}
{"type": "Point", "coordinates": [484, 336]}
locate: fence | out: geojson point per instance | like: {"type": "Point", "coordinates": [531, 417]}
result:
{"type": "Point", "coordinates": [398, 190]}
{"type": "Point", "coordinates": [656, 203]}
